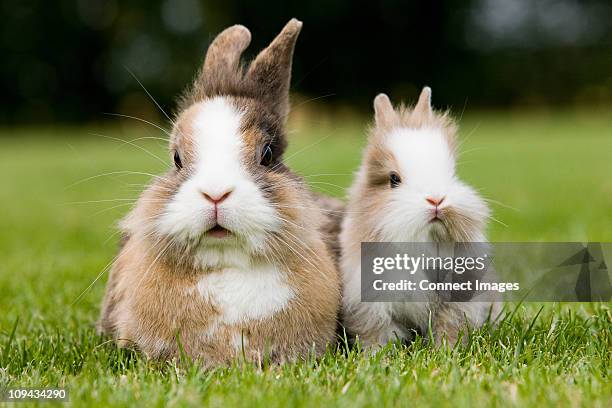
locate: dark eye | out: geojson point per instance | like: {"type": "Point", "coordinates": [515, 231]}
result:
{"type": "Point", "coordinates": [177, 160]}
{"type": "Point", "coordinates": [266, 155]}
{"type": "Point", "coordinates": [394, 179]}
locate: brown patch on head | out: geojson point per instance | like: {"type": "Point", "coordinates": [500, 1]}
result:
{"type": "Point", "coordinates": [182, 139]}
{"type": "Point", "coordinates": [261, 125]}
{"type": "Point", "coordinates": [381, 162]}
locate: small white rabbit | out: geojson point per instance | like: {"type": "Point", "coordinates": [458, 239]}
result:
{"type": "Point", "coordinates": [406, 190]}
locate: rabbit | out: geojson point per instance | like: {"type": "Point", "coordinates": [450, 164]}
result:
{"type": "Point", "coordinates": [223, 257]}
{"type": "Point", "coordinates": [406, 190]}
{"type": "Point", "coordinates": [332, 210]}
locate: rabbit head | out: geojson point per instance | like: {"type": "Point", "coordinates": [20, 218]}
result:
{"type": "Point", "coordinates": [228, 191]}
{"type": "Point", "coordinates": [407, 188]}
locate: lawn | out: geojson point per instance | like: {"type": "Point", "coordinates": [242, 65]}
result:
{"type": "Point", "coordinates": [63, 191]}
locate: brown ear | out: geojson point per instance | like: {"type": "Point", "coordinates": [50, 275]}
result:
{"type": "Point", "coordinates": [423, 105]}
{"type": "Point", "coordinates": [384, 114]}
{"type": "Point", "coordinates": [221, 67]}
{"type": "Point", "coordinates": [270, 72]}
{"type": "Point", "coordinates": [223, 56]}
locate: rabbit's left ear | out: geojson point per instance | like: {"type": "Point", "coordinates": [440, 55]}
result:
{"type": "Point", "coordinates": [270, 72]}
{"type": "Point", "coordinates": [222, 62]}
{"type": "Point", "coordinates": [384, 114]}
{"type": "Point", "coordinates": [423, 106]}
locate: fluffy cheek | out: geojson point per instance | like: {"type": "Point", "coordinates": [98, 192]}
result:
{"type": "Point", "coordinates": [250, 215]}
{"type": "Point", "coordinates": [187, 216]}
{"type": "Point", "coordinates": [402, 218]}
{"type": "Point", "coordinates": [465, 201]}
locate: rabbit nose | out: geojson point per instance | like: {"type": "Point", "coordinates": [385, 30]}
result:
{"type": "Point", "coordinates": [435, 201]}
{"type": "Point", "coordinates": [216, 198]}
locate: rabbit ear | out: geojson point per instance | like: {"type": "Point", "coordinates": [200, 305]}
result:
{"type": "Point", "coordinates": [223, 56]}
{"type": "Point", "coordinates": [224, 52]}
{"type": "Point", "coordinates": [270, 72]}
{"type": "Point", "coordinates": [423, 106]}
{"type": "Point", "coordinates": [384, 114]}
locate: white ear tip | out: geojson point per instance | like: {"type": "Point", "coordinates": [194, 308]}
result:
{"type": "Point", "coordinates": [238, 33]}
{"type": "Point", "coordinates": [295, 22]}
{"type": "Point", "coordinates": [426, 92]}
{"type": "Point", "coordinates": [381, 96]}
{"type": "Point", "coordinates": [245, 34]}
{"type": "Point", "coordinates": [293, 26]}
{"type": "Point", "coordinates": [381, 100]}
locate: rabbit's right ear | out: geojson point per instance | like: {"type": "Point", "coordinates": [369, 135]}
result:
{"type": "Point", "coordinates": [384, 114]}
{"type": "Point", "coordinates": [222, 62]}
{"type": "Point", "coordinates": [423, 105]}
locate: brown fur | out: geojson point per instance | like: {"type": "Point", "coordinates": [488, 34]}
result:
{"type": "Point", "coordinates": [267, 79]}
{"type": "Point", "coordinates": [151, 300]}
{"type": "Point", "coordinates": [333, 212]}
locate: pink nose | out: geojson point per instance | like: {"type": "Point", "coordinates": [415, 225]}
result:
{"type": "Point", "coordinates": [218, 198]}
{"type": "Point", "coordinates": [435, 201]}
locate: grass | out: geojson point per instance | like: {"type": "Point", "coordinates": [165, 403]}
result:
{"type": "Point", "coordinates": [550, 172]}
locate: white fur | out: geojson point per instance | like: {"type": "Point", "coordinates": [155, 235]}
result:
{"type": "Point", "coordinates": [246, 294]}
{"type": "Point", "coordinates": [427, 170]}
{"type": "Point", "coordinates": [240, 341]}
{"type": "Point", "coordinates": [374, 316]}
{"type": "Point", "coordinates": [425, 160]}
{"type": "Point", "coordinates": [219, 168]}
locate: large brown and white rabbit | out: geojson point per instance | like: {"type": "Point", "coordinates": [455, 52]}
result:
{"type": "Point", "coordinates": [224, 255]}
{"type": "Point", "coordinates": [407, 190]}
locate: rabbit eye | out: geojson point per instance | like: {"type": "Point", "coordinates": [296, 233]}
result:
{"type": "Point", "coordinates": [394, 179]}
{"type": "Point", "coordinates": [177, 160]}
{"type": "Point", "coordinates": [266, 155]}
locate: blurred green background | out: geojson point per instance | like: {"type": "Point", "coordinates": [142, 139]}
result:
{"type": "Point", "coordinates": [66, 60]}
